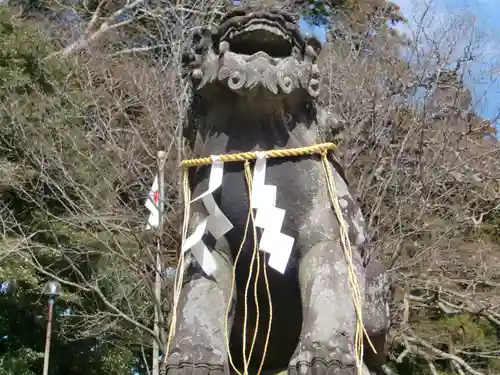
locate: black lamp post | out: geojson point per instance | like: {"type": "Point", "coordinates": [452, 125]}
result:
{"type": "Point", "coordinates": [52, 289]}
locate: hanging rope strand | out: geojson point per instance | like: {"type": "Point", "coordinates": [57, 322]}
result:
{"type": "Point", "coordinates": [353, 280]}
{"type": "Point", "coordinates": [179, 277]}
{"type": "Point", "coordinates": [256, 256]}
{"type": "Point", "coordinates": [230, 299]}
{"type": "Point", "coordinates": [246, 362]}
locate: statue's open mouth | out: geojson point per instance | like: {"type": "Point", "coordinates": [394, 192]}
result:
{"type": "Point", "coordinates": [257, 53]}
{"type": "Point", "coordinates": [257, 36]}
{"type": "Point", "coordinates": [272, 34]}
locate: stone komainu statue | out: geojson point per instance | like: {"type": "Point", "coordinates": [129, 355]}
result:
{"type": "Point", "coordinates": [255, 84]}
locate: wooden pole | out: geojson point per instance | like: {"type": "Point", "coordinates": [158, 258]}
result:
{"type": "Point", "coordinates": [161, 158]}
{"type": "Point", "coordinates": [48, 337]}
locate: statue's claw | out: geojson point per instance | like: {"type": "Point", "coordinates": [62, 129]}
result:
{"type": "Point", "coordinates": [319, 366]}
{"type": "Point", "coordinates": [188, 367]}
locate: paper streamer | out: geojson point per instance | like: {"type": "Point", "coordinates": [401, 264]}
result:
{"type": "Point", "coordinates": [152, 205]}
{"type": "Point", "coordinates": [216, 222]}
{"type": "Point", "coordinates": [270, 218]}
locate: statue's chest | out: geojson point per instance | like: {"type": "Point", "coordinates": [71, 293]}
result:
{"type": "Point", "coordinates": [298, 184]}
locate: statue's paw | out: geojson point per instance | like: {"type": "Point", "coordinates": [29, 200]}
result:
{"type": "Point", "coordinates": [197, 364]}
{"type": "Point", "coordinates": [314, 363]}
{"type": "Point", "coordinates": [195, 369]}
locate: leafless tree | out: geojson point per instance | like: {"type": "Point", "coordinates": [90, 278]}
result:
{"type": "Point", "coordinates": [87, 177]}
{"type": "Point", "coordinates": [423, 164]}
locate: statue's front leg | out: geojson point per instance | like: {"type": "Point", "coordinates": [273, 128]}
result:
{"type": "Point", "coordinates": [199, 343]}
{"type": "Point", "coordinates": [329, 318]}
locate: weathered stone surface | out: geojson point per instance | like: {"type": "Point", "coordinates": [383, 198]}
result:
{"type": "Point", "coordinates": [254, 87]}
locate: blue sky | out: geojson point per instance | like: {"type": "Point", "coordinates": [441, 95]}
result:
{"type": "Point", "coordinates": [483, 76]}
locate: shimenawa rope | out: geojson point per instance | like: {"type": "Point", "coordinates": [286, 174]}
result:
{"type": "Point", "coordinates": [245, 157]}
